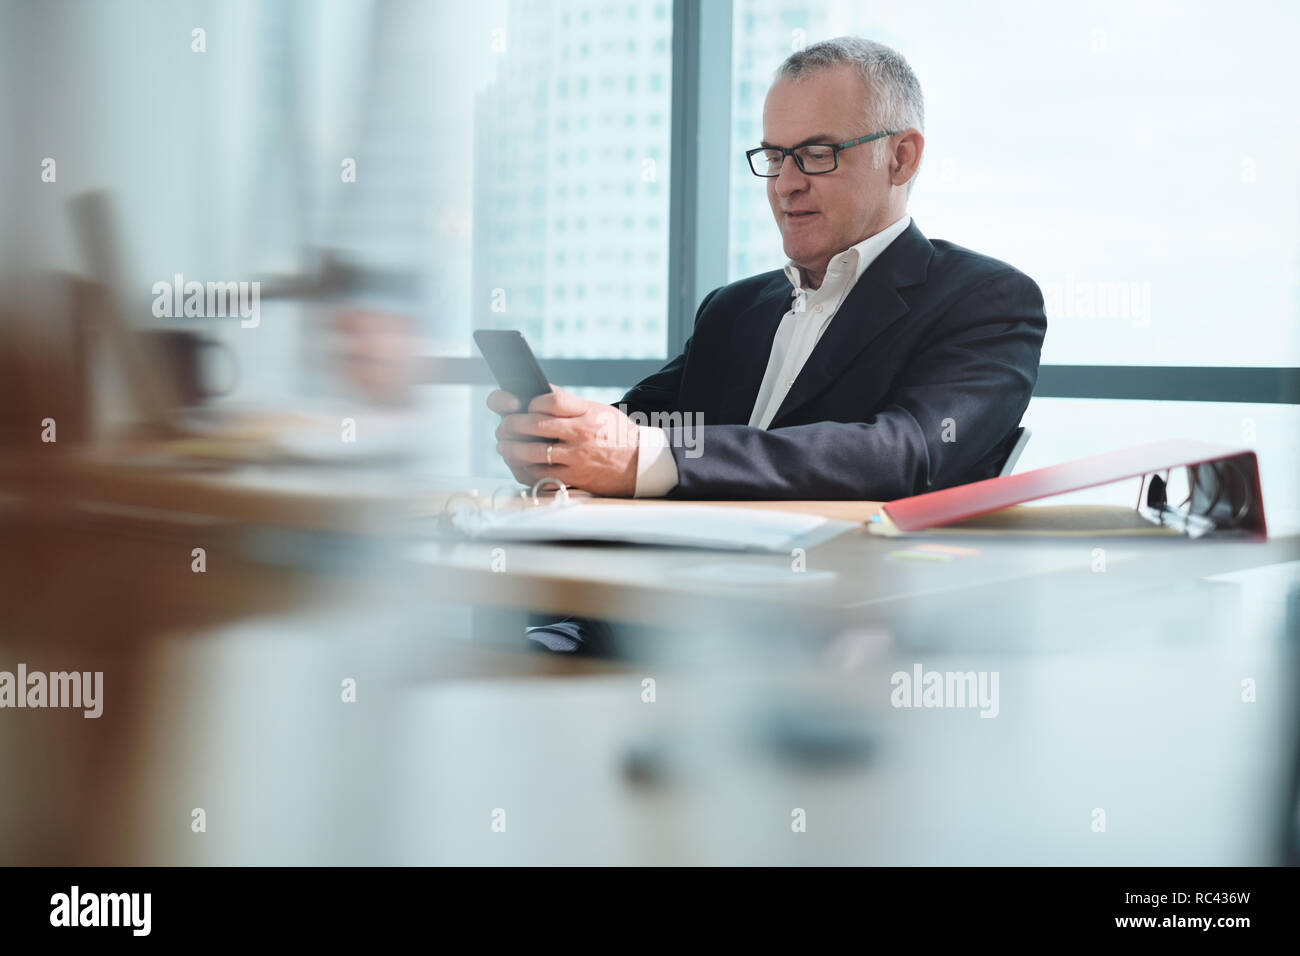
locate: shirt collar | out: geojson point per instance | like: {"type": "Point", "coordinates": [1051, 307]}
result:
{"type": "Point", "coordinates": [852, 262]}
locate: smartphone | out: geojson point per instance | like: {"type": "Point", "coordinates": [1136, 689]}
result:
{"type": "Point", "coordinates": [512, 363]}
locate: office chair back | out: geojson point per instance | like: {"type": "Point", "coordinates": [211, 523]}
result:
{"type": "Point", "coordinates": [1017, 446]}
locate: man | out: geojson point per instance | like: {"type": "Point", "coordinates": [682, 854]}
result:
{"type": "Point", "coordinates": [878, 364]}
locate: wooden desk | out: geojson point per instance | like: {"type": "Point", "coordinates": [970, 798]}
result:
{"type": "Point", "coordinates": [222, 692]}
{"type": "Point", "coordinates": [855, 579]}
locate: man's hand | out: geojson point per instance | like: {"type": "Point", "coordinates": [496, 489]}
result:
{"type": "Point", "coordinates": [595, 445]}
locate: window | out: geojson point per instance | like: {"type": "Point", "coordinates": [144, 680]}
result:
{"type": "Point", "coordinates": [1154, 203]}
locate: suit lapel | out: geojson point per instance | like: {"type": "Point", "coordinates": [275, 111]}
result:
{"type": "Point", "coordinates": [750, 346]}
{"type": "Point", "coordinates": [872, 305]}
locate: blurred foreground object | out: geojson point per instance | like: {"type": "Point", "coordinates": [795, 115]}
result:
{"type": "Point", "coordinates": [373, 353]}
{"type": "Point", "coordinates": [43, 362]}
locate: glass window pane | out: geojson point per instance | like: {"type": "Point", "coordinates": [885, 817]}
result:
{"type": "Point", "coordinates": [1137, 160]}
{"type": "Point", "coordinates": [559, 151]}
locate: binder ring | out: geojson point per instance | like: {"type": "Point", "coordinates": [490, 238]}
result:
{"type": "Point", "coordinates": [510, 489]}
{"type": "Point", "coordinates": [1234, 495]}
{"type": "Point", "coordinates": [447, 515]}
{"type": "Point", "coordinates": [1246, 495]}
{"type": "Point", "coordinates": [561, 493]}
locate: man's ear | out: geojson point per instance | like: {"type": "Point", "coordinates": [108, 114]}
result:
{"type": "Point", "coordinates": [907, 156]}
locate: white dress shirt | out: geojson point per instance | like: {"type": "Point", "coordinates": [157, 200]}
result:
{"type": "Point", "coordinates": [811, 311]}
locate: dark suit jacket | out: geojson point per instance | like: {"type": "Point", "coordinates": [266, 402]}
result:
{"type": "Point", "coordinates": [917, 384]}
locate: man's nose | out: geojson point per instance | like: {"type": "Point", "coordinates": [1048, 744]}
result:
{"type": "Point", "coordinates": [791, 179]}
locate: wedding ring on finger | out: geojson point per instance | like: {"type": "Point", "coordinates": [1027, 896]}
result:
{"type": "Point", "coordinates": [549, 449]}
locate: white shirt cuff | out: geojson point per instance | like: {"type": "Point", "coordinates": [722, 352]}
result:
{"type": "Point", "coordinates": [656, 472]}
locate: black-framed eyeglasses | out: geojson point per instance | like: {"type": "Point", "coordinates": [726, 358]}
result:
{"type": "Point", "coordinates": [812, 160]}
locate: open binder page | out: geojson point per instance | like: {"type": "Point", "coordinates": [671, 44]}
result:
{"type": "Point", "coordinates": [1087, 521]}
{"type": "Point", "coordinates": [732, 529]}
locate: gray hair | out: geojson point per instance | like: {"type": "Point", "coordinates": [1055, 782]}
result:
{"type": "Point", "coordinates": [894, 94]}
